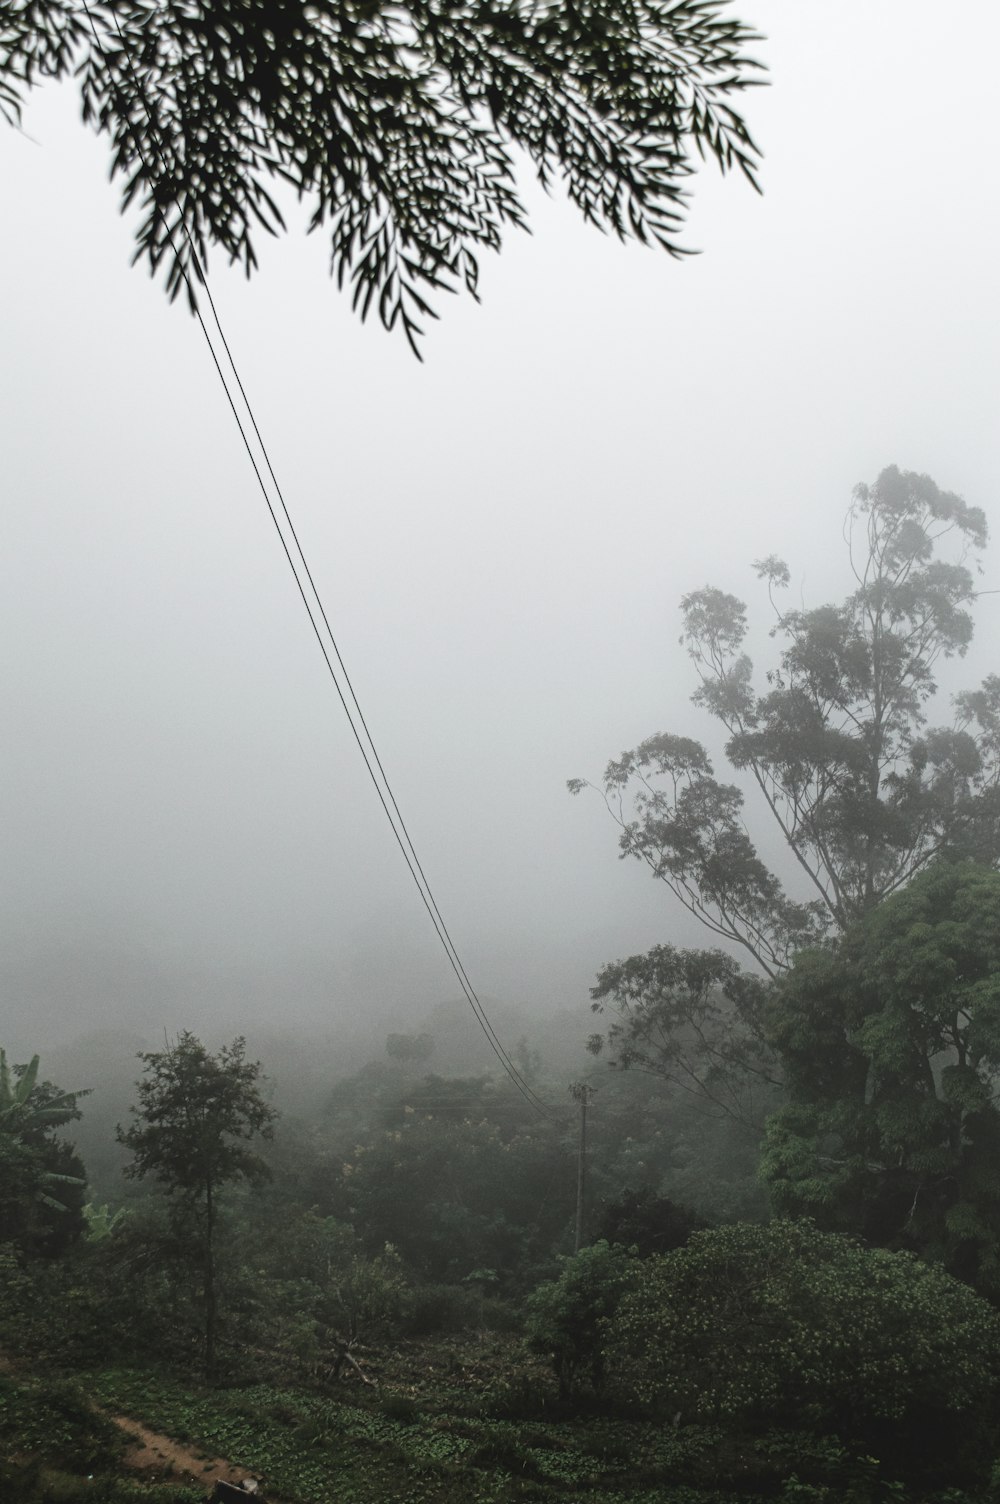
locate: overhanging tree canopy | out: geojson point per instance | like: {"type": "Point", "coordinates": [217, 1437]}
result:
{"type": "Point", "coordinates": [397, 122]}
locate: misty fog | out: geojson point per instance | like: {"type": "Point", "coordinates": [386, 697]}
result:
{"type": "Point", "coordinates": [501, 536]}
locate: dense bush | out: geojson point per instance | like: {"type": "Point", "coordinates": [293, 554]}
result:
{"type": "Point", "coordinates": [439, 1308]}
{"type": "Point", "coordinates": [567, 1316]}
{"type": "Point", "coordinates": [890, 1048]}
{"type": "Point", "coordinates": [54, 1420]}
{"type": "Point", "coordinates": [31, 1483]}
{"type": "Point", "coordinates": [649, 1223]}
{"type": "Point", "coordinates": [55, 1311]}
{"type": "Point", "coordinates": [783, 1325]}
{"type": "Point", "coordinates": [455, 1195]}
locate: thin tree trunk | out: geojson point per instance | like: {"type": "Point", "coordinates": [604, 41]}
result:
{"type": "Point", "coordinates": [582, 1095]}
{"type": "Point", "coordinates": [209, 1284]}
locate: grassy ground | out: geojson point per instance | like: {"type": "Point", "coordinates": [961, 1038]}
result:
{"type": "Point", "coordinates": [431, 1436]}
{"type": "Point", "coordinates": [454, 1422]}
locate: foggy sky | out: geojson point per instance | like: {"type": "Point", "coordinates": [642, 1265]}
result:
{"type": "Point", "coordinates": [501, 537]}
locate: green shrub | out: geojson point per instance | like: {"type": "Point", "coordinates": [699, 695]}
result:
{"type": "Point", "coordinates": [400, 1408]}
{"type": "Point", "coordinates": [522, 1396]}
{"type": "Point", "coordinates": [567, 1316]}
{"type": "Point", "coordinates": [505, 1455]}
{"type": "Point", "coordinates": [321, 1428]}
{"type": "Point", "coordinates": [786, 1326]}
{"type": "Point", "coordinates": [20, 1481]}
{"type": "Point", "coordinates": [430, 1309]}
{"type": "Point", "coordinates": [437, 1308]}
{"type": "Point", "coordinates": [368, 1296]}
{"type": "Point", "coordinates": [55, 1422]}
{"type": "Point", "coordinates": [649, 1223]}
{"type": "Point", "coordinates": [496, 1315]}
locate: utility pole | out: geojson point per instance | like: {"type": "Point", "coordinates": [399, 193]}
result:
{"type": "Point", "coordinates": [581, 1093]}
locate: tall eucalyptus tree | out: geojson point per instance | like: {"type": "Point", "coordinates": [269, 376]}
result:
{"type": "Point", "coordinates": [836, 742]}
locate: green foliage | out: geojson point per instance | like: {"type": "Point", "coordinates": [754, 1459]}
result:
{"type": "Point", "coordinates": [432, 1308]}
{"type": "Point", "coordinates": [434, 1436]}
{"type": "Point", "coordinates": [454, 1195]}
{"type": "Point", "coordinates": [42, 1181]}
{"type": "Point", "coordinates": [402, 1408]}
{"type": "Point", "coordinates": [472, 1418]}
{"type": "Point", "coordinates": [455, 1423]}
{"type": "Point", "coordinates": [102, 1221]}
{"type": "Point", "coordinates": [648, 1223]}
{"type": "Point", "coordinates": [890, 1047]}
{"type": "Point", "coordinates": [383, 1095]}
{"type": "Point", "coordinates": [196, 1114]}
{"type": "Point", "coordinates": [409, 1047]}
{"type": "Point", "coordinates": [566, 1316]}
{"type": "Point", "coordinates": [53, 1419]}
{"type": "Point", "coordinates": [464, 1178]}
{"type": "Point", "coordinates": [666, 1142]}
{"type": "Point", "coordinates": [693, 1018]}
{"type": "Point", "coordinates": [305, 1447]}
{"type": "Point", "coordinates": [27, 1105]}
{"type": "Point", "coordinates": [398, 124]}
{"type": "Point", "coordinates": [143, 1279]}
{"type": "Point", "coordinates": [758, 1327]}
{"type": "Point", "coordinates": [311, 1294]}
{"type": "Point", "coordinates": [371, 1294]}
{"type": "Point", "coordinates": [54, 1311]}
{"type": "Point", "coordinates": [863, 792]}
{"type": "Point", "coordinates": [32, 1483]}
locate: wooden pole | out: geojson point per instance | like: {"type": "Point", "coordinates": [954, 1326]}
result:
{"type": "Point", "coordinates": [582, 1094]}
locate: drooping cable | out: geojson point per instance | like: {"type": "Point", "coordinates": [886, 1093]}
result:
{"type": "Point", "coordinates": [430, 900]}
{"type": "Point", "coordinates": [365, 742]}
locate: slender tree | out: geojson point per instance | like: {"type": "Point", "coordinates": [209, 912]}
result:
{"type": "Point", "coordinates": [195, 1117]}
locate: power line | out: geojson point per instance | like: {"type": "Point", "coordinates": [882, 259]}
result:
{"type": "Point", "coordinates": [432, 905]}
{"type": "Point", "coordinates": [369, 753]}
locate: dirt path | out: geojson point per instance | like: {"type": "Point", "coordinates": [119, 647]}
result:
{"type": "Point", "coordinates": [151, 1452]}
